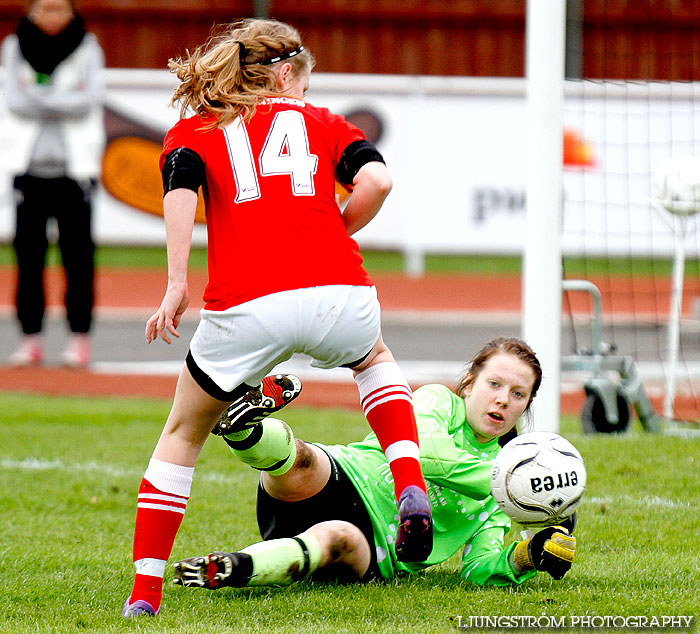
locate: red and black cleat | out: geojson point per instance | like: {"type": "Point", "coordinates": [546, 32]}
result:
{"type": "Point", "coordinates": [273, 393]}
{"type": "Point", "coordinates": [216, 570]}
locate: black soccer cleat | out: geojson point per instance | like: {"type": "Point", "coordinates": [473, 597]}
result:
{"type": "Point", "coordinates": [217, 570]}
{"type": "Point", "coordinates": [414, 539]}
{"type": "Point", "coordinates": [273, 393]}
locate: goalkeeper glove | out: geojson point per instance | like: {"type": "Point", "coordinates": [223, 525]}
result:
{"type": "Point", "coordinates": [551, 550]}
{"type": "Point", "coordinates": [570, 523]}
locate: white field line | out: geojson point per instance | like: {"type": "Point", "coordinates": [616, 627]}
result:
{"type": "Point", "coordinates": [402, 316]}
{"type": "Point", "coordinates": [399, 316]}
{"type": "Point", "coordinates": [41, 464]}
{"type": "Point", "coordinates": [647, 501]}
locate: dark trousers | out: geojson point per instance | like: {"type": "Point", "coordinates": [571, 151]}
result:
{"type": "Point", "coordinates": [38, 200]}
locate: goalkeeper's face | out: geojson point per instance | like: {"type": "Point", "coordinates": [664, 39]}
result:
{"type": "Point", "coordinates": [497, 397]}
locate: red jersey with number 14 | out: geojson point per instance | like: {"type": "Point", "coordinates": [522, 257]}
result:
{"type": "Point", "coordinates": [272, 220]}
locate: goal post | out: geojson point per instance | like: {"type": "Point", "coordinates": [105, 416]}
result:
{"type": "Point", "coordinates": [542, 268]}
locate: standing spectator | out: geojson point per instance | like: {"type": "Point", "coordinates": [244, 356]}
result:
{"type": "Point", "coordinates": [51, 123]}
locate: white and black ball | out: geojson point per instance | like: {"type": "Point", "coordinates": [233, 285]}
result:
{"type": "Point", "coordinates": [538, 479]}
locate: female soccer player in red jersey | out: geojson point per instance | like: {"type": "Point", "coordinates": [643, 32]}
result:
{"type": "Point", "coordinates": [284, 276]}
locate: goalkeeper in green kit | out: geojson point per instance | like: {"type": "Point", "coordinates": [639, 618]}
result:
{"type": "Point", "coordinates": [329, 511]}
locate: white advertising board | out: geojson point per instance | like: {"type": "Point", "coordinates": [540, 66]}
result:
{"type": "Point", "coordinates": [456, 150]}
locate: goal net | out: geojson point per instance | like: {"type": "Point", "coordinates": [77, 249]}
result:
{"type": "Point", "coordinates": [632, 101]}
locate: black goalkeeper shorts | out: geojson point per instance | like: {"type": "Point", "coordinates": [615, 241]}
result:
{"type": "Point", "coordinates": [338, 500]}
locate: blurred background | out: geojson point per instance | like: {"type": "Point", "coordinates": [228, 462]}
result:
{"type": "Point", "coordinates": [441, 88]}
{"type": "Point", "coordinates": [644, 40]}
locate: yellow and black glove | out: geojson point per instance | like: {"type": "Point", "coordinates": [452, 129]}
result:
{"type": "Point", "coordinates": [551, 550]}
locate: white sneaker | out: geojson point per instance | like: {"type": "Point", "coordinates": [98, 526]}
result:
{"type": "Point", "coordinates": [29, 353]}
{"type": "Point", "coordinates": [77, 352]}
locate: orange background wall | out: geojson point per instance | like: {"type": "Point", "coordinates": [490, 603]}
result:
{"type": "Point", "coordinates": [634, 39]}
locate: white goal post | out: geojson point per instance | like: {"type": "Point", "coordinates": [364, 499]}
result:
{"type": "Point", "coordinates": [542, 268]}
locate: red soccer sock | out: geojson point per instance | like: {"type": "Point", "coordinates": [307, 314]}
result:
{"type": "Point", "coordinates": [159, 513]}
{"type": "Point", "coordinates": [388, 406]}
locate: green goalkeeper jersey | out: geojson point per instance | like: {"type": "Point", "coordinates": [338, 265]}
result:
{"type": "Point", "coordinates": [457, 470]}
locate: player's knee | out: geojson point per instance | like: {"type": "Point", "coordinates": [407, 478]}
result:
{"type": "Point", "coordinates": [345, 541]}
{"type": "Point", "coordinates": [305, 479]}
{"type": "Point", "coordinates": [306, 459]}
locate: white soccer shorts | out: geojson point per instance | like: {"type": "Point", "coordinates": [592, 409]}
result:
{"type": "Point", "coordinates": [334, 325]}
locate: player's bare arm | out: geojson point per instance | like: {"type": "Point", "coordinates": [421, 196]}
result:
{"type": "Point", "coordinates": [371, 186]}
{"type": "Point", "coordinates": [179, 208]}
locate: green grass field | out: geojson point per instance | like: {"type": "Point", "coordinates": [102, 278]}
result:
{"type": "Point", "coordinates": [70, 469]}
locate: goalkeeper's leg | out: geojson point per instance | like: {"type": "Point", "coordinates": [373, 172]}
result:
{"type": "Point", "coordinates": [291, 469]}
{"type": "Point", "coordinates": [279, 561]}
{"type": "Point", "coordinates": [269, 446]}
{"type": "Point", "coordinates": [266, 444]}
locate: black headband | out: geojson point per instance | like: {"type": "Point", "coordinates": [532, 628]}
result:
{"type": "Point", "coordinates": [279, 58]}
{"type": "Point", "coordinates": [242, 50]}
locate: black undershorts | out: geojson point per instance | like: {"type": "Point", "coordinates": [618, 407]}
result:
{"type": "Point", "coordinates": [337, 500]}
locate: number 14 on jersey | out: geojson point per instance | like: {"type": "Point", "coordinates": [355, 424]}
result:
{"type": "Point", "coordinates": [285, 151]}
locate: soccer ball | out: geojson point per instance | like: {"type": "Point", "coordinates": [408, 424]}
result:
{"type": "Point", "coordinates": [538, 479]}
{"type": "Point", "coordinates": [678, 185]}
